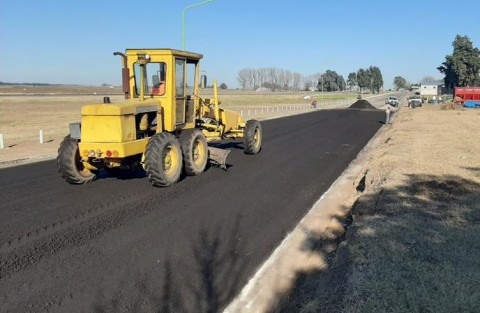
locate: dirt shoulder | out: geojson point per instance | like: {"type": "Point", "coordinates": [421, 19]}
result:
{"type": "Point", "coordinates": [413, 244]}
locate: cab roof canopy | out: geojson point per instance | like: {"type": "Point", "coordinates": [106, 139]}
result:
{"type": "Point", "coordinates": [165, 51]}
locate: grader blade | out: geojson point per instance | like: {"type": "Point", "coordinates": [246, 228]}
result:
{"type": "Point", "coordinates": [218, 156]}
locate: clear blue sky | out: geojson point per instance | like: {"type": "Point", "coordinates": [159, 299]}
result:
{"type": "Point", "coordinates": [71, 42]}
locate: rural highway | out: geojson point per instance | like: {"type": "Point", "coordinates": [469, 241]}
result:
{"type": "Point", "coordinates": [121, 245]}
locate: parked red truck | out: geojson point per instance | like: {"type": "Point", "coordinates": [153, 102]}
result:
{"type": "Point", "coordinates": [467, 96]}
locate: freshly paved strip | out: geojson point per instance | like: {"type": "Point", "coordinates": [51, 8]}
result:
{"type": "Point", "coordinates": [120, 245]}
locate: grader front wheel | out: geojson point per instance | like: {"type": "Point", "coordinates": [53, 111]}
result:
{"type": "Point", "coordinates": [195, 152]}
{"type": "Point", "coordinates": [252, 137]}
{"type": "Point", "coordinates": [163, 160]}
{"type": "Point", "coordinates": [69, 165]}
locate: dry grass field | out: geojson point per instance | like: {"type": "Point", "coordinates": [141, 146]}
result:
{"type": "Point", "coordinates": [413, 243]}
{"type": "Point", "coordinates": [22, 117]}
{"type": "Point", "coordinates": [25, 110]}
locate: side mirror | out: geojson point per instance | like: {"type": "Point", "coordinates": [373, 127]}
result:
{"type": "Point", "coordinates": [203, 81]}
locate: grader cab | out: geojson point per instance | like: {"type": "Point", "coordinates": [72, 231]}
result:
{"type": "Point", "coordinates": [163, 125]}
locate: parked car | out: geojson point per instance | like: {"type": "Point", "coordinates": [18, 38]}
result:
{"type": "Point", "coordinates": [393, 101]}
{"type": "Point", "coordinates": [415, 101]}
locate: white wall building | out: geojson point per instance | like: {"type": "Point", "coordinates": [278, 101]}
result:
{"type": "Point", "coordinates": [431, 89]}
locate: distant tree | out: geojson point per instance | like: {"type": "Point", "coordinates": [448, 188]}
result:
{"type": "Point", "coordinates": [370, 78]}
{"type": "Point", "coordinates": [462, 67]}
{"type": "Point", "coordinates": [331, 81]}
{"type": "Point", "coordinates": [376, 79]}
{"type": "Point", "coordinates": [313, 80]}
{"type": "Point", "coordinates": [297, 79]}
{"type": "Point", "coordinates": [352, 80]}
{"type": "Point", "coordinates": [242, 78]}
{"type": "Point", "coordinates": [223, 86]}
{"type": "Point", "coordinates": [307, 84]}
{"type": "Point", "coordinates": [273, 79]}
{"type": "Point", "coordinates": [287, 79]}
{"type": "Point", "coordinates": [428, 79]}
{"type": "Point", "coordinates": [399, 82]}
{"type": "Point", "coordinates": [363, 79]}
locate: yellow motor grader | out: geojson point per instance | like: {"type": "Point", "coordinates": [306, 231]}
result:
{"type": "Point", "coordinates": [164, 124]}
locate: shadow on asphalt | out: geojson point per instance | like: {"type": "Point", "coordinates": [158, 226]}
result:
{"type": "Point", "coordinates": [237, 145]}
{"type": "Point", "coordinates": [213, 279]}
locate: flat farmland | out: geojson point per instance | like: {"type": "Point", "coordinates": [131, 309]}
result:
{"type": "Point", "coordinates": [25, 110]}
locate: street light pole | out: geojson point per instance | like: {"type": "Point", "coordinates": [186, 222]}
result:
{"type": "Point", "coordinates": [183, 19]}
{"type": "Point", "coordinates": [321, 102]}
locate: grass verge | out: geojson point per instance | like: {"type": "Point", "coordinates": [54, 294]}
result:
{"type": "Point", "coordinates": [413, 244]}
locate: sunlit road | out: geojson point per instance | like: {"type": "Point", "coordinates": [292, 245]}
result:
{"type": "Point", "coordinates": [121, 245]}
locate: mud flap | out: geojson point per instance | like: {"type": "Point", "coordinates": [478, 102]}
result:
{"type": "Point", "coordinates": [218, 156]}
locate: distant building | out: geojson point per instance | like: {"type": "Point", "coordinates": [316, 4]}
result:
{"type": "Point", "coordinates": [431, 89]}
{"type": "Point", "coordinates": [415, 89]}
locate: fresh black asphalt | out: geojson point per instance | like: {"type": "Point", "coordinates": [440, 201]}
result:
{"type": "Point", "coordinates": [121, 245]}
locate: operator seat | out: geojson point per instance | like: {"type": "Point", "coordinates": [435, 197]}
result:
{"type": "Point", "coordinates": [158, 88]}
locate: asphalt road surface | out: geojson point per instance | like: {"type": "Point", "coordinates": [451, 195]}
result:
{"type": "Point", "coordinates": [121, 245]}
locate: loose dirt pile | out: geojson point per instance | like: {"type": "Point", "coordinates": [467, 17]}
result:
{"type": "Point", "coordinates": [362, 104]}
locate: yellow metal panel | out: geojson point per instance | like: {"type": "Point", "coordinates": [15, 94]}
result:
{"type": "Point", "coordinates": [125, 149]}
{"type": "Point", "coordinates": [129, 107]}
{"type": "Point", "coordinates": [230, 119]}
{"type": "Point", "coordinates": [155, 52]}
{"type": "Point", "coordinates": [168, 115]}
{"type": "Point", "coordinates": [105, 128]}
{"type": "Point", "coordinates": [107, 109]}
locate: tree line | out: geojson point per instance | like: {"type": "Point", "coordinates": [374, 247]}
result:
{"type": "Point", "coordinates": [460, 69]}
{"type": "Point", "coordinates": [370, 78]}
{"type": "Point", "coordinates": [269, 77]}
{"type": "Point", "coordinates": [276, 79]}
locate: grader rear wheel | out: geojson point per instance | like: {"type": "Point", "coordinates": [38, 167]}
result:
{"type": "Point", "coordinates": [252, 137]}
{"type": "Point", "coordinates": [195, 152]}
{"type": "Point", "coordinates": [69, 165]}
{"type": "Point", "coordinates": [163, 160]}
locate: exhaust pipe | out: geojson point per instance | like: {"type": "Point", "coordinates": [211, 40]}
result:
{"type": "Point", "coordinates": [125, 75]}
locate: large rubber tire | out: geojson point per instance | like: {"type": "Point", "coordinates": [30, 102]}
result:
{"type": "Point", "coordinates": [69, 165]}
{"type": "Point", "coordinates": [252, 137]}
{"type": "Point", "coordinates": [163, 160]}
{"type": "Point", "coordinates": [195, 151]}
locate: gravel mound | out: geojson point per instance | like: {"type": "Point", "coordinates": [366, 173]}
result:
{"type": "Point", "coordinates": [362, 104]}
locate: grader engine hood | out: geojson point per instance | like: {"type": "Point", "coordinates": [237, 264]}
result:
{"type": "Point", "coordinates": [114, 122]}
{"type": "Point", "coordinates": [120, 108]}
